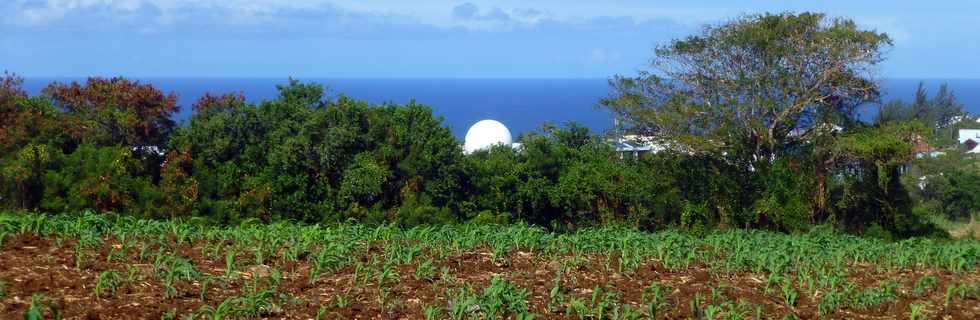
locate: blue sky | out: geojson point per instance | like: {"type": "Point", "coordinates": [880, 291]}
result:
{"type": "Point", "coordinates": [432, 38]}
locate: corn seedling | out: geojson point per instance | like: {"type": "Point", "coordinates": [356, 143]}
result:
{"type": "Point", "coordinates": [924, 284]}
{"type": "Point", "coordinates": [431, 312]}
{"type": "Point", "coordinates": [229, 263]}
{"type": "Point", "coordinates": [654, 297]}
{"type": "Point", "coordinates": [321, 312]}
{"type": "Point", "coordinates": [107, 281]}
{"type": "Point", "coordinates": [40, 306]}
{"type": "Point", "coordinates": [425, 271]}
{"type": "Point", "coordinates": [916, 312]}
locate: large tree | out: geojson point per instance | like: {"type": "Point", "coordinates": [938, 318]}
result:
{"type": "Point", "coordinates": [755, 90]}
{"type": "Point", "coordinates": [753, 87]}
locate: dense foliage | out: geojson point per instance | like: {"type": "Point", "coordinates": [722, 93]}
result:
{"type": "Point", "coordinates": [776, 97]}
{"type": "Point", "coordinates": [760, 126]}
{"type": "Point", "coordinates": [943, 180]}
{"type": "Point", "coordinates": [310, 158]}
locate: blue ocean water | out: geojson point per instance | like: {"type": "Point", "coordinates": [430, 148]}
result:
{"type": "Point", "coordinates": [521, 104]}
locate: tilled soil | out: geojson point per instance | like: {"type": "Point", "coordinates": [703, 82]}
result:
{"type": "Point", "coordinates": [30, 264]}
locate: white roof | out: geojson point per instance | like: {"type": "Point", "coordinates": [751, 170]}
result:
{"type": "Point", "coordinates": [970, 134]}
{"type": "Point", "coordinates": [638, 143]}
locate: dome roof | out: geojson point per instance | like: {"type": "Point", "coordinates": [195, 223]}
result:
{"type": "Point", "coordinates": [485, 134]}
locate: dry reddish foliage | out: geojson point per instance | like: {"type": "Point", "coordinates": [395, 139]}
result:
{"type": "Point", "coordinates": [95, 104]}
{"type": "Point", "coordinates": [218, 102]}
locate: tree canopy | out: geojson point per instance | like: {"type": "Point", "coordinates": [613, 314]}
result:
{"type": "Point", "coordinates": [754, 87]}
{"type": "Point", "coordinates": [776, 96]}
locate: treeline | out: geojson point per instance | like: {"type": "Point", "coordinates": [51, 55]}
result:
{"type": "Point", "coordinates": [760, 130]}
{"type": "Point", "coordinates": [109, 145]}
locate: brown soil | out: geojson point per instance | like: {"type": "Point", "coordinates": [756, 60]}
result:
{"type": "Point", "coordinates": [30, 264]}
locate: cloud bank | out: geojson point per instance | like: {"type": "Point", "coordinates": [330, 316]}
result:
{"type": "Point", "coordinates": [466, 38]}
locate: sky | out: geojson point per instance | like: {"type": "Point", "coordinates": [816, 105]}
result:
{"type": "Point", "coordinates": [431, 38]}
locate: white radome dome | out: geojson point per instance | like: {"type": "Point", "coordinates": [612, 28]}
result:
{"type": "Point", "coordinates": [485, 134]}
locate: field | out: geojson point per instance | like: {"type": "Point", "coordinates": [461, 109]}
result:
{"type": "Point", "coordinates": [93, 266]}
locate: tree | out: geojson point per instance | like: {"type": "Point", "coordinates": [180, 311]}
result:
{"type": "Point", "coordinates": [30, 129]}
{"type": "Point", "coordinates": [757, 89]}
{"type": "Point", "coordinates": [939, 113]}
{"type": "Point", "coordinates": [11, 90]}
{"type": "Point", "coordinates": [754, 87]}
{"type": "Point", "coordinates": [871, 192]}
{"type": "Point", "coordinates": [308, 157]}
{"type": "Point", "coordinates": [116, 112]}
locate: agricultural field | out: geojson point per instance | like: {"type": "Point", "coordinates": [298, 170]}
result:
{"type": "Point", "coordinates": [93, 266]}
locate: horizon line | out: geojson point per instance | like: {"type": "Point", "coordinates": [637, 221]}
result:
{"type": "Point", "coordinates": [389, 78]}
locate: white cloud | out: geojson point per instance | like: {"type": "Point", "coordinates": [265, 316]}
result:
{"type": "Point", "coordinates": [304, 16]}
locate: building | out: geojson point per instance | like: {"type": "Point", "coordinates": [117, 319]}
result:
{"type": "Point", "coordinates": [636, 145]}
{"type": "Point", "coordinates": [971, 139]}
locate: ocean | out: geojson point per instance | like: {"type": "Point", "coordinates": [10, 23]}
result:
{"type": "Point", "coordinates": [523, 105]}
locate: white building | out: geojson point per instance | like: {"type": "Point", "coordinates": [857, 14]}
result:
{"type": "Point", "coordinates": [636, 145]}
{"type": "Point", "coordinates": [966, 135]}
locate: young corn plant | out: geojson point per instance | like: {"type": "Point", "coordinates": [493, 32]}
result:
{"type": "Point", "coordinates": [968, 291]}
{"type": "Point", "coordinates": [916, 312]}
{"type": "Point", "coordinates": [873, 296]}
{"type": "Point", "coordinates": [625, 312]}
{"type": "Point", "coordinates": [831, 301]}
{"type": "Point", "coordinates": [462, 303]}
{"type": "Point", "coordinates": [42, 307]}
{"type": "Point", "coordinates": [321, 313]}
{"type": "Point", "coordinates": [107, 282]}
{"type": "Point", "coordinates": [789, 293]}
{"type": "Point", "coordinates": [501, 299]}
{"type": "Point", "coordinates": [598, 307]}
{"type": "Point", "coordinates": [695, 305]}
{"type": "Point", "coordinates": [205, 286]}
{"type": "Point", "coordinates": [431, 311]}
{"type": "Point", "coordinates": [230, 263]}
{"type": "Point", "coordinates": [425, 271]}
{"type": "Point", "coordinates": [556, 296]}
{"type": "Point", "coordinates": [224, 310]}
{"type": "Point", "coordinates": [654, 297]}
{"type": "Point", "coordinates": [924, 284]}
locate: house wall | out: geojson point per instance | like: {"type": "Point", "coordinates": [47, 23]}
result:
{"type": "Point", "coordinates": [969, 134]}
